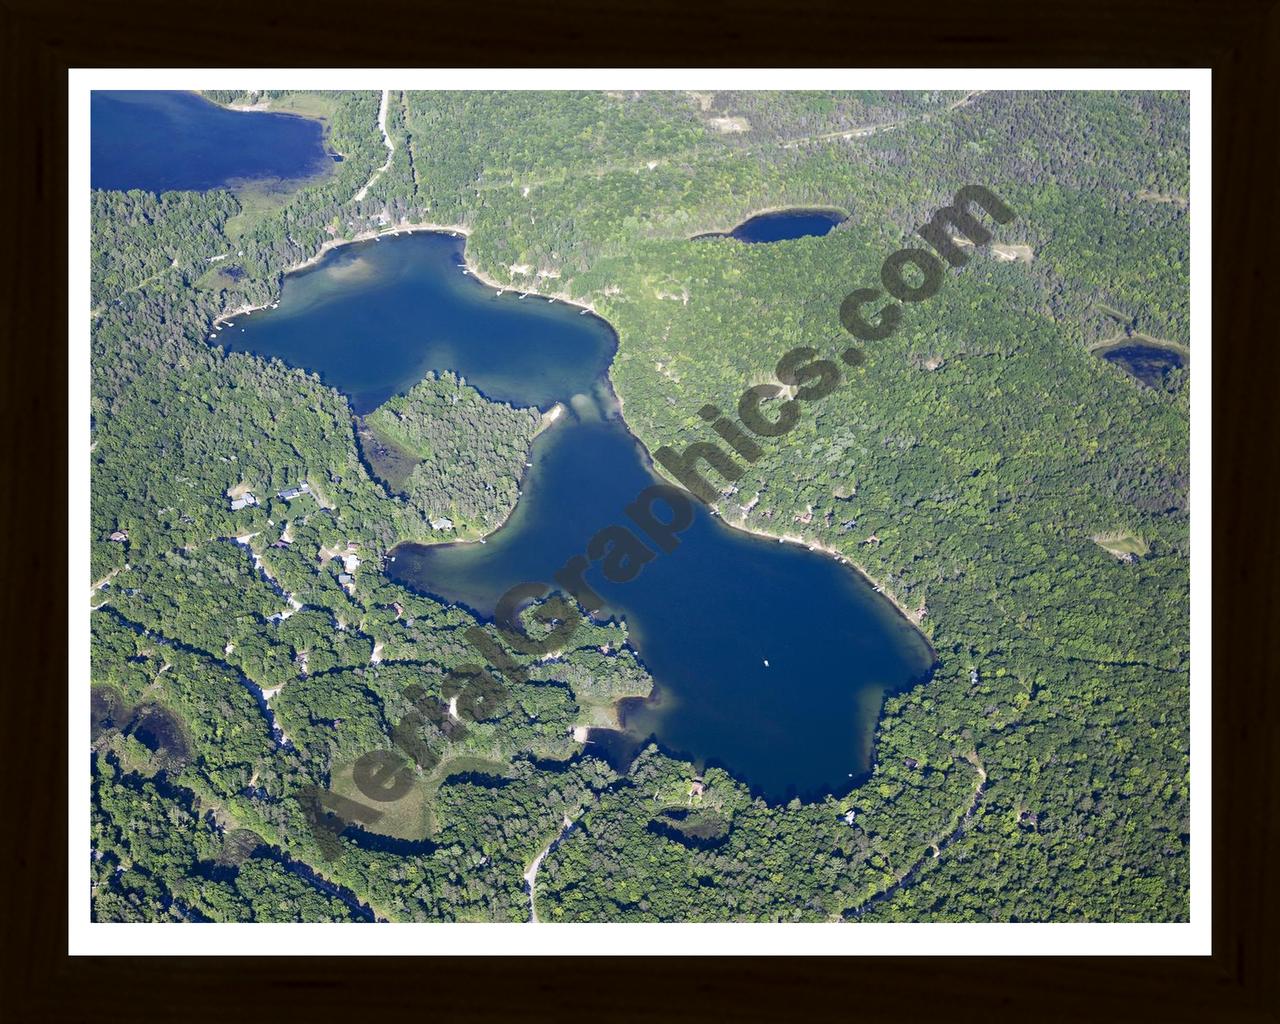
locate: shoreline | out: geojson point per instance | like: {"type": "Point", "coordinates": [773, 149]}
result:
{"type": "Point", "coordinates": [548, 420]}
{"type": "Point", "coordinates": [552, 415]}
{"type": "Point", "coordinates": [1106, 345]}
{"type": "Point", "coordinates": [767, 211]}
{"type": "Point", "coordinates": [817, 545]}
{"type": "Point", "coordinates": [390, 231]}
{"type": "Point", "coordinates": [264, 106]}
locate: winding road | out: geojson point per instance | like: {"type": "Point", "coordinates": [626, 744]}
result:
{"type": "Point", "coordinates": [386, 141]}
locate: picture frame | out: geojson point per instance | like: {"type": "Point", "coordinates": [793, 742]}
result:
{"type": "Point", "coordinates": [1237, 981]}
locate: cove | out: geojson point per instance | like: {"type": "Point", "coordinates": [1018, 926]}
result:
{"type": "Point", "coordinates": [781, 226]}
{"type": "Point", "coordinates": [373, 317]}
{"type": "Point", "coordinates": [705, 618]}
{"type": "Point", "coordinates": [166, 141]}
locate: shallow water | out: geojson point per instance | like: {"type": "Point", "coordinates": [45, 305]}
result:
{"type": "Point", "coordinates": [167, 141]}
{"type": "Point", "coordinates": [374, 317]}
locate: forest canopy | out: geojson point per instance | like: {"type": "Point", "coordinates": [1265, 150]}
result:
{"type": "Point", "coordinates": [1026, 501]}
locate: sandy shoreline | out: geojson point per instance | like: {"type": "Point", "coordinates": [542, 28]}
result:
{"type": "Point", "coordinates": [407, 229]}
{"type": "Point", "coordinates": [816, 545]}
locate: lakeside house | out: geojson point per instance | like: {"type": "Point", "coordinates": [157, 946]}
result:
{"type": "Point", "coordinates": [442, 524]}
{"type": "Point", "coordinates": [289, 493]}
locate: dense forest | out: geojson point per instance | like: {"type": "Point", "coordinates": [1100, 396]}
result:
{"type": "Point", "coordinates": [1023, 499]}
{"type": "Point", "coordinates": [453, 454]}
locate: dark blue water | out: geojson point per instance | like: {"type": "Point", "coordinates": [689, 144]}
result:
{"type": "Point", "coordinates": [704, 618]}
{"type": "Point", "coordinates": [1148, 363]}
{"type": "Point", "coordinates": [783, 225]}
{"type": "Point", "coordinates": [165, 141]}
{"type": "Point", "coordinates": [374, 317]}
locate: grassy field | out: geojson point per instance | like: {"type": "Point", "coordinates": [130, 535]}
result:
{"type": "Point", "coordinates": [408, 818]}
{"type": "Point", "coordinates": [306, 104]}
{"type": "Point", "coordinates": [257, 203]}
{"type": "Point", "coordinates": [414, 815]}
{"type": "Point", "coordinates": [1121, 543]}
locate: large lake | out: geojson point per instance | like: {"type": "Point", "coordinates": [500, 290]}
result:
{"type": "Point", "coordinates": [167, 141]}
{"type": "Point", "coordinates": [372, 318]}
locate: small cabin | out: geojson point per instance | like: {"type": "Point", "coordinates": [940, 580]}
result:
{"type": "Point", "coordinates": [119, 536]}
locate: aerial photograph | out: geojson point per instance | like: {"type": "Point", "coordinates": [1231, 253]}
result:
{"type": "Point", "coordinates": [621, 506]}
